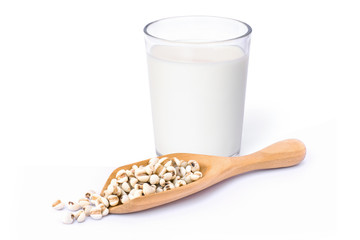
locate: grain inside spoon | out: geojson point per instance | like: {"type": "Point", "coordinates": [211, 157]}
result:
{"type": "Point", "coordinates": [215, 169]}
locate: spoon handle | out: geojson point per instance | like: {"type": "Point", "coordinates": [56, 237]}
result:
{"type": "Point", "coordinates": [285, 153]}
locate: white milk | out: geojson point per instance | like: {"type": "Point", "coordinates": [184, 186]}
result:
{"type": "Point", "coordinates": [197, 97]}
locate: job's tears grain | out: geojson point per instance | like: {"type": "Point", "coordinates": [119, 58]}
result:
{"type": "Point", "coordinates": [157, 176]}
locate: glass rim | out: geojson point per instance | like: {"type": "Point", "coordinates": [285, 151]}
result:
{"type": "Point", "coordinates": [249, 29]}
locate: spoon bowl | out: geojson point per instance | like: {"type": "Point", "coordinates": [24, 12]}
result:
{"type": "Point", "coordinates": [215, 169]}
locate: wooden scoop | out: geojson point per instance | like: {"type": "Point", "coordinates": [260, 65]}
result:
{"type": "Point", "coordinates": [215, 169]}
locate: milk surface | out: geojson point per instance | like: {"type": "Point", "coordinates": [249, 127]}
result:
{"type": "Point", "coordinates": [197, 98]}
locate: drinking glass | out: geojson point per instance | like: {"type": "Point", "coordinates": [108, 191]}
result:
{"type": "Point", "coordinates": [197, 67]}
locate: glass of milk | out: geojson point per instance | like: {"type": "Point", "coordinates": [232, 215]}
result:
{"type": "Point", "coordinates": [197, 70]}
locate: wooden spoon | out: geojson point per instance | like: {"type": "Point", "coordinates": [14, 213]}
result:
{"type": "Point", "coordinates": [215, 169]}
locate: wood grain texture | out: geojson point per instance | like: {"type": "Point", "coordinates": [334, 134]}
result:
{"type": "Point", "coordinates": [215, 169]}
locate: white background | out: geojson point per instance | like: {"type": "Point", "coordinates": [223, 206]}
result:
{"type": "Point", "coordinates": [74, 104]}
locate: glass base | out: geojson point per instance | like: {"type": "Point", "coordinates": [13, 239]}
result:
{"type": "Point", "coordinates": [236, 154]}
